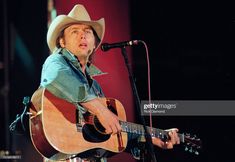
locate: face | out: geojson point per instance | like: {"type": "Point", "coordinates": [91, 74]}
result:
{"type": "Point", "coordinates": [79, 39]}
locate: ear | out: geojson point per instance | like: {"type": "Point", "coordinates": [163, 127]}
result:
{"type": "Point", "coordinates": [61, 41]}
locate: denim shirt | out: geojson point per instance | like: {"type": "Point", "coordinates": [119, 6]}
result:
{"type": "Point", "coordinates": [62, 75]}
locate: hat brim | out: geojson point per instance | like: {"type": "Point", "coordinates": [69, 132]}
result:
{"type": "Point", "coordinates": [62, 21]}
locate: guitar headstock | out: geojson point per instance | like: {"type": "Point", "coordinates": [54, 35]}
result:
{"type": "Point", "coordinates": [192, 144]}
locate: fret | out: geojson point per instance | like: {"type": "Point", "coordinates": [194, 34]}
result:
{"type": "Point", "coordinates": [127, 128]}
{"type": "Point", "coordinates": [134, 128]}
{"type": "Point", "coordinates": [153, 133]}
{"type": "Point", "coordinates": [130, 127]}
{"type": "Point", "coordinates": [137, 129]}
{"type": "Point", "coordinates": [181, 136]}
{"type": "Point", "coordinates": [123, 126]}
{"type": "Point", "coordinates": [160, 134]}
{"type": "Point", "coordinates": [164, 134]}
{"type": "Point", "coordinates": [140, 129]}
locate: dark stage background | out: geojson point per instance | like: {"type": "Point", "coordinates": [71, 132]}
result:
{"type": "Point", "coordinates": [191, 47]}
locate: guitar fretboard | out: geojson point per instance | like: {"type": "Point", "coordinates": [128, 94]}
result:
{"type": "Point", "coordinates": [139, 129]}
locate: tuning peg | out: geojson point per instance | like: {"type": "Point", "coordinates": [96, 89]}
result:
{"type": "Point", "coordinates": [198, 139]}
{"type": "Point", "coordinates": [195, 137]}
{"type": "Point", "coordinates": [187, 134]}
{"type": "Point", "coordinates": [196, 153]}
{"type": "Point", "coordinates": [192, 150]}
{"type": "Point", "coordinates": [188, 144]}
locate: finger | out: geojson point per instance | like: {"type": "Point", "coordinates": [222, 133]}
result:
{"type": "Point", "coordinates": [176, 137]}
{"type": "Point", "coordinates": [119, 128]}
{"type": "Point", "coordinates": [177, 140]}
{"type": "Point", "coordinates": [172, 129]}
{"type": "Point", "coordinates": [172, 135]}
{"type": "Point", "coordinates": [168, 145]}
{"type": "Point", "coordinates": [158, 142]}
{"type": "Point", "coordinates": [161, 144]}
{"type": "Point", "coordinates": [114, 129]}
{"type": "Point", "coordinates": [108, 130]}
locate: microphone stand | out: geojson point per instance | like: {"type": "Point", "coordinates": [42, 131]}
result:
{"type": "Point", "coordinates": [137, 102]}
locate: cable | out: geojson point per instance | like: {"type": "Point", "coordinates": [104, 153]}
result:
{"type": "Point", "coordinates": [149, 82]}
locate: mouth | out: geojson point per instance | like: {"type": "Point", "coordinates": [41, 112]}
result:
{"type": "Point", "coordinates": [83, 45]}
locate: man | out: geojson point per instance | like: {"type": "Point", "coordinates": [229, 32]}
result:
{"type": "Point", "coordinates": [68, 71]}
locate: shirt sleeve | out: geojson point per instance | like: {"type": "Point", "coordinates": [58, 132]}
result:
{"type": "Point", "coordinates": [62, 81]}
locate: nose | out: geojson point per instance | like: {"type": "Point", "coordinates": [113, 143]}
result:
{"type": "Point", "coordinates": [82, 35]}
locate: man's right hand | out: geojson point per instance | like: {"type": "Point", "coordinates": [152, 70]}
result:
{"type": "Point", "coordinates": [108, 119]}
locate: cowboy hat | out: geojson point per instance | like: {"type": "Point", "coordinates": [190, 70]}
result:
{"type": "Point", "coordinates": [77, 15]}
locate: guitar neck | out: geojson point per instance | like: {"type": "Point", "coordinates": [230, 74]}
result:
{"type": "Point", "coordinates": [154, 132]}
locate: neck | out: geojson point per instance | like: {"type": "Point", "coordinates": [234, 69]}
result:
{"type": "Point", "coordinates": [83, 60]}
{"type": "Point", "coordinates": [83, 63]}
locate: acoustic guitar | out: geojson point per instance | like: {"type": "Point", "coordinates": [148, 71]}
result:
{"type": "Point", "coordinates": [58, 133]}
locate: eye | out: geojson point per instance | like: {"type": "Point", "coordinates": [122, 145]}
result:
{"type": "Point", "coordinates": [75, 32]}
{"type": "Point", "coordinates": [88, 31]}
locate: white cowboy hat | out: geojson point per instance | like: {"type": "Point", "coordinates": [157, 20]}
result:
{"type": "Point", "coordinates": [77, 15]}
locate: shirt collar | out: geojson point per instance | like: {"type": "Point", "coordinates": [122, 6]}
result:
{"type": "Point", "coordinates": [92, 70]}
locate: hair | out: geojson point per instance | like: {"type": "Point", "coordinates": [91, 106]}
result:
{"type": "Point", "coordinates": [61, 35]}
{"type": "Point", "coordinates": [97, 41]}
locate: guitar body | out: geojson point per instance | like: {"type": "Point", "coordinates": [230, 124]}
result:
{"type": "Point", "coordinates": [56, 133]}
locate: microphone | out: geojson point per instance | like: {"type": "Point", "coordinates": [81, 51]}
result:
{"type": "Point", "coordinates": [107, 46]}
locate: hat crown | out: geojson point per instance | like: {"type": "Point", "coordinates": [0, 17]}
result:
{"type": "Point", "coordinates": [79, 13]}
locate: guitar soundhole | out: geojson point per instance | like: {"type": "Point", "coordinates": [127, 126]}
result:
{"type": "Point", "coordinates": [92, 135]}
{"type": "Point", "coordinates": [99, 127]}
